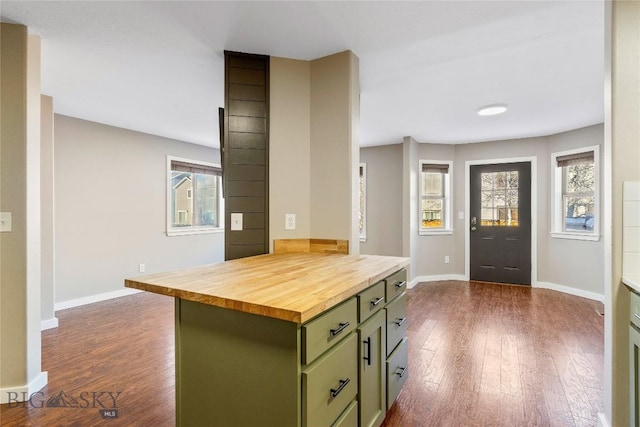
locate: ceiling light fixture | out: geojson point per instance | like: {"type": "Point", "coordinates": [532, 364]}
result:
{"type": "Point", "coordinates": [492, 110]}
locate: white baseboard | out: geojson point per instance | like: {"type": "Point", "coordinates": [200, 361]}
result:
{"type": "Point", "coordinates": [436, 278]}
{"type": "Point", "coordinates": [544, 285]}
{"type": "Point", "coordinates": [95, 298]}
{"type": "Point", "coordinates": [568, 290]}
{"type": "Point", "coordinates": [22, 393]}
{"type": "Point", "coordinates": [49, 324]}
{"type": "Point", "coordinates": [602, 420]}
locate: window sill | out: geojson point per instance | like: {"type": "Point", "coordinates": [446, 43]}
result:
{"type": "Point", "coordinates": [576, 236]}
{"type": "Point", "coordinates": [192, 231]}
{"type": "Point", "coordinates": [440, 232]}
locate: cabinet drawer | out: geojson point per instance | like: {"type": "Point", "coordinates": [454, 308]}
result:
{"type": "Point", "coordinates": [635, 309]}
{"type": "Point", "coordinates": [396, 321]}
{"type": "Point", "coordinates": [349, 417]}
{"type": "Point", "coordinates": [370, 301]}
{"type": "Point", "coordinates": [396, 372]}
{"type": "Point", "coordinates": [396, 284]}
{"type": "Point", "coordinates": [323, 332]}
{"type": "Point", "coordinates": [330, 384]}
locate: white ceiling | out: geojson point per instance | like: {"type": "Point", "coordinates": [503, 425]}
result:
{"type": "Point", "coordinates": [425, 67]}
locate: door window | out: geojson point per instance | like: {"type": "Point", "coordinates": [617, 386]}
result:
{"type": "Point", "coordinates": [499, 199]}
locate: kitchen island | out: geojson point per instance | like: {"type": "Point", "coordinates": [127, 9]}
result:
{"type": "Point", "coordinates": [287, 339]}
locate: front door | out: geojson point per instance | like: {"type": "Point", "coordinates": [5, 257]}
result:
{"type": "Point", "coordinates": [500, 223]}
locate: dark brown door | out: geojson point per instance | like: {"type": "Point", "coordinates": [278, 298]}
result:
{"type": "Point", "coordinates": [500, 223]}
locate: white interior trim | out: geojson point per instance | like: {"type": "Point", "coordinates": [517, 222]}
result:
{"type": "Point", "coordinates": [176, 231]}
{"type": "Point", "coordinates": [436, 278]}
{"type": "Point", "coordinates": [24, 392]}
{"type": "Point", "coordinates": [569, 290]}
{"type": "Point", "coordinates": [557, 222]}
{"type": "Point", "coordinates": [49, 324]}
{"type": "Point", "coordinates": [95, 298]}
{"type": "Point", "coordinates": [607, 221]}
{"type": "Point", "coordinates": [602, 420]}
{"type": "Point", "coordinates": [534, 210]}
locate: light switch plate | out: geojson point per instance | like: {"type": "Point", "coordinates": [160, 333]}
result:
{"type": "Point", "coordinates": [5, 221]}
{"type": "Point", "coordinates": [460, 214]}
{"type": "Point", "coordinates": [236, 222]}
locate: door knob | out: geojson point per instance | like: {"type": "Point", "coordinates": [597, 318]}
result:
{"type": "Point", "coordinates": [473, 228]}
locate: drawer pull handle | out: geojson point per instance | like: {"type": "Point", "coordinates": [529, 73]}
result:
{"type": "Point", "coordinates": [368, 356]}
{"type": "Point", "coordinates": [376, 301]}
{"type": "Point", "coordinates": [401, 284]}
{"type": "Point", "coordinates": [341, 327]}
{"type": "Point", "coordinates": [343, 383]}
{"type": "Point", "coordinates": [637, 316]}
{"type": "Point", "coordinates": [402, 372]}
{"type": "Point", "coordinates": [399, 322]}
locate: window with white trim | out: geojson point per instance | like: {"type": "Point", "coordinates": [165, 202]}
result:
{"type": "Point", "coordinates": [194, 197]}
{"type": "Point", "coordinates": [435, 196]}
{"type": "Point", "coordinates": [576, 194]}
{"type": "Point", "coordinates": [362, 218]}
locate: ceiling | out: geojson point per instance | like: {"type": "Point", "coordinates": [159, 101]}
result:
{"type": "Point", "coordinates": [425, 67]}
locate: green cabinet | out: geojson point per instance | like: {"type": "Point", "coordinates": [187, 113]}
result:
{"type": "Point", "coordinates": [372, 384]}
{"type": "Point", "coordinates": [396, 371]}
{"type": "Point", "coordinates": [634, 380]}
{"type": "Point", "coordinates": [396, 322]}
{"type": "Point", "coordinates": [330, 384]}
{"type": "Point", "coordinates": [239, 369]}
{"type": "Point", "coordinates": [634, 359]}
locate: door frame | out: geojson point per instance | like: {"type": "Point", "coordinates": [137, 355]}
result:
{"type": "Point", "coordinates": [533, 160]}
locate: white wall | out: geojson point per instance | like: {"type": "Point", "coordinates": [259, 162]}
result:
{"type": "Point", "coordinates": [110, 211]}
{"type": "Point", "coordinates": [431, 249]}
{"type": "Point", "coordinates": [47, 205]}
{"type": "Point", "coordinates": [313, 147]}
{"type": "Point", "coordinates": [384, 200]}
{"type": "Point", "coordinates": [20, 260]}
{"type": "Point", "coordinates": [289, 147]}
{"type": "Point", "coordinates": [576, 265]}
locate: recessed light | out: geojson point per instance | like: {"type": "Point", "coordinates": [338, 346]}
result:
{"type": "Point", "coordinates": [492, 110]}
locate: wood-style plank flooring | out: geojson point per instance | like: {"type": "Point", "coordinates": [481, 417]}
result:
{"type": "Point", "coordinates": [480, 355]}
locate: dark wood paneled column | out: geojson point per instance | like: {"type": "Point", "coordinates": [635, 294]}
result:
{"type": "Point", "coordinates": [246, 153]}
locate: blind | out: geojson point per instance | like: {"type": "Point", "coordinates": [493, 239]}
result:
{"type": "Point", "coordinates": [575, 159]}
{"type": "Point", "coordinates": [435, 168]}
{"type": "Point", "coordinates": [194, 168]}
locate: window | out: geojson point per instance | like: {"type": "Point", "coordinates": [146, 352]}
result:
{"type": "Point", "coordinates": [435, 196]}
{"type": "Point", "coordinates": [575, 202]}
{"type": "Point", "coordinates": [362, 219]}
{"type": "Point", "coordinates": [499, 199]}
{"type": "Point", "coordinates": [194, 197]}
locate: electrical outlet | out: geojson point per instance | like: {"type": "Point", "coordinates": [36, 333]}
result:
{"type": "Point", "coordinates": [236, 222]}
{"type": "Point", "coordinates": [141, 268]}
{"type": "Point", "coordinates": [446, 259]}
{"type": "Point", "coordinates": [289, 221]}
{"type": "Point", "coordinates": [5, 221]}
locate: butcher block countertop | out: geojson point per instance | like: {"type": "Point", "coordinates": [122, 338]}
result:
{"type": "Point", "coordinates": [290, 286]}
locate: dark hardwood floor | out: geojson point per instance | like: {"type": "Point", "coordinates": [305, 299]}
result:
{"type": "Point", "coordinates": [480, 355]}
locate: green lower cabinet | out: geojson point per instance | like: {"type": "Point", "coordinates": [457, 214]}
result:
{"type": "Point", "coordinates": [634, 380]}
{"type": "Point", "coordinates": [330, 384]}
{"type": "Point", "coordinates": [372, 379]}
{"type": "Point", "coordinates": [349, 417]}
{"type": "Point", "coordinates": [396, 371]}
